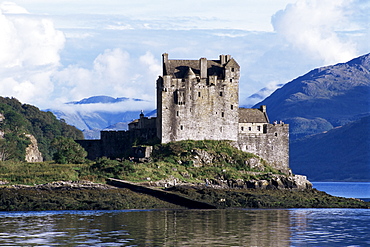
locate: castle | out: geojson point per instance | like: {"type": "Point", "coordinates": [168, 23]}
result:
{"type": "Point", "coordinates": [199, 100]}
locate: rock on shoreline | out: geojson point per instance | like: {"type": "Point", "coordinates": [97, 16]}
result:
{"type": "Point", "coordinates": [274, 181]}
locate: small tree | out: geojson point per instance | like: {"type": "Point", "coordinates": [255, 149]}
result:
{"type": "Point", "coordinates": [67, 151]}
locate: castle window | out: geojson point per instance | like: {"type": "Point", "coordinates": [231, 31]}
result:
{"type": "Point", "coordinates": [181, 127]}
{"type": "Point", "coordinates": [222, 114]}
{"type": "Point", "coordinates": [221, 94]}
{"type": "Point", "coordinates": [232, 69]}
{"type": "Point", "coordinates": [177, 113]}
{"type": "Point", "coordinates": [275, 134]}
{"type": "Point", "coordinates": [250, 128]}
{"type": "Point", "coordinates": [258, 128]}
{"type": "Point", "coordinates": [242, 128]}
{"type": "Point", "coordinates": [231, 80]}
{"type": "Point", "coordinates": [232, 107]}
{"type": "Point", "coordinates": [198, 94]}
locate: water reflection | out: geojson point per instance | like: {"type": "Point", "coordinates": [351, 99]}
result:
{"type": "Point", "coordinates": [147, 228]}
{"type": "Point", "coordinates": [295, 227]}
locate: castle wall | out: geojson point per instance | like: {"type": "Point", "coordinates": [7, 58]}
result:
{"type": "Point", "coordinates": [93, 148]}
{"type": "Point", "coordinates": [272, 145]}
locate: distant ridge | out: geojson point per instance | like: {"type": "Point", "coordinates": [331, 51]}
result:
{"type": "Point", "coordinates": [323, 98]}
{"type": "Point", "coordinates": [102, 99]}
{"type": "Point", "coordinates": [341, 154]}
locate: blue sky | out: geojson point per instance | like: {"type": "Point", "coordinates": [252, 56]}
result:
{"type": "Point", "coordinates": [52, 52]}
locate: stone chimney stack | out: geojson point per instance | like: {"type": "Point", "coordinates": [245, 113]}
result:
{"type": "Point", "coordinates": [228, 57]}
{"type": "Point", "coordinates": [165, 61]}
{"type": "Point", "coordinates": [222, 60]}
{"type": "Point", "coordinates": [203, 68]}
{"type": "Point", "coordinates": [263, 108]}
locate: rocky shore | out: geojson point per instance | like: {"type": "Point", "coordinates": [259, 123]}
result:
{"type": "Point", "coordinates": [274, 181]}
{"type": "Point", "coordinates": [85, 195]}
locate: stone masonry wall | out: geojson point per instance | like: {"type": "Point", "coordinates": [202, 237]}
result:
{"type": "Point", "coordinates": [272, 145]}
{"type": "Point", "coordinates": [195, 108]}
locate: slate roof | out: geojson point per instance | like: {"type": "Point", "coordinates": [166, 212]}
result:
{"type": "Point", "coordinates": [252, 115]}
{"type": "Point", "coordinates": [180, 68]}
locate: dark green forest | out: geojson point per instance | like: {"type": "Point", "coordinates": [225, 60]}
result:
{"type": "Point", "coordinates": [18, 119]}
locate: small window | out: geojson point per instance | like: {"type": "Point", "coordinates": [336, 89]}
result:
{"type": "Point", "coordinates": [177, 113]}
{"type": "Point", "coordinates": [258, 128]}
{"type": "Point", "coordinates": [220, 129]}
{"type": "Point", "coordinates": [232, 107]}
{"type": "Point", "coordinates": [232, 69]}
{"type": "Point", "coordinates": [198, 94]}
{"type": "Point", "coordinates": [231, 80]}
{"type": "Point", "coordinates": [250, 128]}
{"type": "Point", "coordinates": [181, 128]}
{"type": "Point", "coordinates": [222, 114]}
{"type": "Point", "coordinates": [242, 128]}
{"type": "Point", "coordinates": [221, 94]}
{"type": "Point", "coordinates": [275, 134]}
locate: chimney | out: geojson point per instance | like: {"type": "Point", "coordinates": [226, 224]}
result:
{"type": "Point", "coordinates": [228, 57]}
{"type": "Point", "coordinates": [203, 68]}
{"type": "Point", "coordinates": [222, 60]}
{"type": "Point", "coordinates": [263, 108]}
{"type": "Point", "coordinates": [165, 61]}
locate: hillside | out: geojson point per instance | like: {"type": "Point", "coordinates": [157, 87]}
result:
{"type": "Point", "coordinates": [341, 154]}
{"type": "Point", "coordinates": [324, 98]}
{"type": "Point", "coordinates": [317, 105]}
{"type": "Point", "coordinates": [19, 119]}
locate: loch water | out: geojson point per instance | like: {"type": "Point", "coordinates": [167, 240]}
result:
{"type": "Point", "coordinates": [227, 227]}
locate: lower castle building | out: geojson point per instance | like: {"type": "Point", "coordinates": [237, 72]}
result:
{"type": "Point", "coordinates": [199, 100]}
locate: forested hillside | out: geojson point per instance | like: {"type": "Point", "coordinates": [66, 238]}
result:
{"type": "Point", "coordinates": [18, 119]}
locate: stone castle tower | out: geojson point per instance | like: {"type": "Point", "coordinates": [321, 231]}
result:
{"type": "Point", "coordinates": [198, 99]}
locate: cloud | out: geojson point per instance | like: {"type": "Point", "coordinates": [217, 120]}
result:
{"type": "Point", "coordinates": [261, 94]}
{"type": "Point", "coordinates": [83, 109]}
{"type": "Point", "coordinates": [312, 26]}
{"type": "Point", "coordinates": [29, 49]}
{"type": "Point", "coordinates": [113, 73]}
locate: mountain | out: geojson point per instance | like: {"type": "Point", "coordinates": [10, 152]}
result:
{"type": "Point", "coordinates": [261, 95]}
{"type": "Point", "coordinates": [101, 117]}
{"type": "Point", "coordinates": [341, 154]}
{"type": "Point", "coordinates": [101, 99]}
{"type": "Point", "coordinates": [324, 98]}
{"type": "Point", "coordinates": [328, 111]}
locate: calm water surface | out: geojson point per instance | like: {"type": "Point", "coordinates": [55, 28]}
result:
{"type": "Point", "coordinates": [359, 190]}
{"type": "Point", "coordinates": [293, 227]}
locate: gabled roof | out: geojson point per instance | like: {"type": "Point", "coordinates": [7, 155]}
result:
{"type": "Point", "coordinates": [232, 63]}
{"type": "Point", "coordinates": [252, 115]}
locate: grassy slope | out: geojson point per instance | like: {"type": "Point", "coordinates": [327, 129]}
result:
{"type": "Point", "coordinates": [169, 161]}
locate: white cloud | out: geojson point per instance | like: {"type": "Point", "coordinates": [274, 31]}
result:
{"type": "Point", "coordinates": [83, 109]}
{"type": "Point", "coordinates": [312, 26]}
{"type": "Point", "coordinates": [86, 48]}
{"type": "Point", "coordinates": [113, 73]}
{"type": "Point", "coordinates": [29, 49]}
